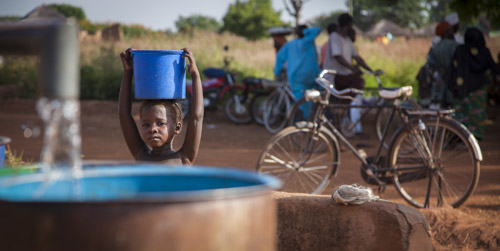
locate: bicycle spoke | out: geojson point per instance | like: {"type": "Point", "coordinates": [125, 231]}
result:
{"type": "Point", "coordinates": [308, 164]}
{"type": "Point", "coordinates": [451, 170]}
{"type": "Point", "coordinates": [284, 150]}
{"type": "Point", "coordinates": [314, 168]}
{"type": "Point", "coordinates": [301, 183]}
{"type": "Point", "coordinates": [451, 190]}
{"type": "Point", "coordinates": [276, 169]}
{"type": "Point", "coordinates": [322, 156]}
{"type": "Point", "coordinates": [314, 179]}
{"type": "Point", "coordinates": [427, 197]}
{"type": "Point", "coordinates": [279, 161]}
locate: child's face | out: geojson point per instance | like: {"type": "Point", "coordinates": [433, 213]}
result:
{"type": "Point", "coordinates": [158, 126]}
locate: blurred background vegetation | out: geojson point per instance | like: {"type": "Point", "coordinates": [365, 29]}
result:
{"type": "Point", "coordinates": [244, 30]}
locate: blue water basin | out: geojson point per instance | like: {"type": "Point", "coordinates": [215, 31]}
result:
{"type": "Point", "coordinates": [136, 183]}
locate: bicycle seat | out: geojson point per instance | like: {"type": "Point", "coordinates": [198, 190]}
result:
{"type": "Point", "coordinates": [252, 81]}
{"type": "Point", "coordinates": [395, 93]}
{"type": "Point", "coordinates": [214, 73]}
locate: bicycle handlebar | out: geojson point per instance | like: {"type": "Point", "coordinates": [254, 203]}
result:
{"type": "Point", "coordinates": [327, 71]}
{"type": "Point", "coordinates": [375, 73]}
{"type": "Point", "coordinates": [342, 94]}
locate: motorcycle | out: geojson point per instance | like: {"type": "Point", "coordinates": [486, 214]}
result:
{"type": "Point", "coordinates": [220, 86]}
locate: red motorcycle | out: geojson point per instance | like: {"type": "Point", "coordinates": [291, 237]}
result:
{"type": "Point", "coordinates": [220, 86]}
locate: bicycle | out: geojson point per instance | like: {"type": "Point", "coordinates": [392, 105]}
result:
{"type": "Point", "coordinates": [339, 114]}
{"type": "Point", "coordinates": [432, 159]}
{"type": "Point", "coordinates": [277, 107]}
{"type": "Point", "coordinates": [258, 101]}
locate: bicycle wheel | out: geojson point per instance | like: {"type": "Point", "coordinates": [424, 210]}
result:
{"type": "Point", "coordinates": [239, 114]}
{"type": "Point", "coordinates": [257, 108]}
{"type": "Point", "coordinates": [276, 111]}
{"type": "Point", "coordinates": [303, 159]}
{"type": "Point", "coordinates": [435, 163]}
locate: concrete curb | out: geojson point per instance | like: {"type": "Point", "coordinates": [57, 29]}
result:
{"type": "Point", "coordinates": [313, 222]}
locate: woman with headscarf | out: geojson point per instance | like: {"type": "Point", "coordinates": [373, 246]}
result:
{"type": "Point", "coordinates": [469, 80]}
{"type": "Point", "coordinates": [439, 60]}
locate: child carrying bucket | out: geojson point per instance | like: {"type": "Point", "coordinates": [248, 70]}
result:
{"type": "Point", "coordinates": [161, 118]}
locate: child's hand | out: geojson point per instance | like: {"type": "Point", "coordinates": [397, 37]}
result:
{"type": "Point", "coordinates": [192, 69]}
{"type": "Point", "coordinates": [127, 60]}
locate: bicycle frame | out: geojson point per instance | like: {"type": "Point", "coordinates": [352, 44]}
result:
{"type": "Point", "coordinates": [353, 124]}
{"type": "Point", "coordinates": [378, 102]}
{"type": "Point", "coordinates": [320, 116]}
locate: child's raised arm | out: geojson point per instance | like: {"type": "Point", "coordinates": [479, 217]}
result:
{"type": "Point", "coordinates": [195, 123]}
{"type": "Point", "coordinates": [127, 123]}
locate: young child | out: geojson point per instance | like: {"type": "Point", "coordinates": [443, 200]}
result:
{"type": "Point", "coordinates": [161, 120]}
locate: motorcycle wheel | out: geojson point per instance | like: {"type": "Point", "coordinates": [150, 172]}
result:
{"type": "Point", "coordinates": [239, 114]}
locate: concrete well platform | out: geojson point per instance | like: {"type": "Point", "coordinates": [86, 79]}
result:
{"type": "Point", "coordinates": [313, 222]}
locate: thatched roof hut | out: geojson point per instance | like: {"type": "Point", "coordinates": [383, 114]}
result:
{"type": "Point", "coordinates": [385, 26]}
{"type": "Point", "coordinates": [43, 11]}
{"type": "Point", "coordinates": [426, 31]}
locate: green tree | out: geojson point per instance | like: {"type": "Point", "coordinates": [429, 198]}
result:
{"type": "Point", "coordinates": [437, 10]}
{"type": "Point", "coordinates": [469, 10]}
{"type": "Point", "coordinates": [9, 18]}
{"type": "Point", "coordinates": [70, 11]}
{"type": "Point", "coordinates": [324, 20]}
{"type": "Point", "coordinates": [251, 19]}
{"type": "Point", "coordinates": [188, 24]}
{"type": "Point", "coordinates": [405, 13]}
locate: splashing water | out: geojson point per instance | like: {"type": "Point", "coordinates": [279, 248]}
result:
{"type": "Point", "coordinates": [61, 155]}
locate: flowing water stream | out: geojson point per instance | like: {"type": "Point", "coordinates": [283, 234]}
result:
{"type": "Point", "coordinates": [61, 154]}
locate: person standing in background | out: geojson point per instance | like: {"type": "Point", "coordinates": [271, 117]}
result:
{"type": "Point", "coordinates": [330, 29]}
{"type": "Point", "coordinates": [469, 80]}
{"type": "Point", "coordinates": [439, 60]}
{"type": "Point", "coordinates": [453, 20]}
{"type": "Point", "coordinates": [340, 52]}
{"type": "Point", "coordinates": [302, 63]}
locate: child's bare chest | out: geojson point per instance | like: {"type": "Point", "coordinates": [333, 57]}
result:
{"type": "Point", "coordinates": [172, 158]}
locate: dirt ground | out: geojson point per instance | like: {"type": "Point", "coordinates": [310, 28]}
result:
{"type": "Point", "coordinates": [224, 144]}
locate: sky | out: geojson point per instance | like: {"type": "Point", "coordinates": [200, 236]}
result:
{"type": "Point", "coordinates": [161, 14]}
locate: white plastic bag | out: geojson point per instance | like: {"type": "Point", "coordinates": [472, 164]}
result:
{"type": "Point", "coordinates": [353, 194]}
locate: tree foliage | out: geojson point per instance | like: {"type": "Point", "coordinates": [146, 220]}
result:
{"type": "Point", "coordinates": [9, 18]}
{"type": "Point", "coordinates": [324, 20]}
{"type": "Point", "coordinates": [251, 19]}
{"type": "Point", "coordinates": [188, 24]}
{"type": "Point", "coordinates": [405, 13]}
{"type": "Point", "coordinates": [415, 13]}
{"type": "Point", "coordinates": [469, 10]}
{"type": "Point", "coordinates": [437, 10]}
{"type": "Point", "coordinates": [70, 11]}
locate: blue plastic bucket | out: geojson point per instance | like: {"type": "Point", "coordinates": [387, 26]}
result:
{"type": "Point", "coordinates": [159, 74]}
{"type": "Point", "coordinates": [3, 141]}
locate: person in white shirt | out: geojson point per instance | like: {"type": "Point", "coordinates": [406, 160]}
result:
{"type": "Point", "coordinates": [453, 20]}
{"type": "Point", "coordinates": [339, 55]}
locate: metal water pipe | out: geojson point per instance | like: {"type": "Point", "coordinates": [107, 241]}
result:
{"type": "Point", "coordinates": [55, 40]}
